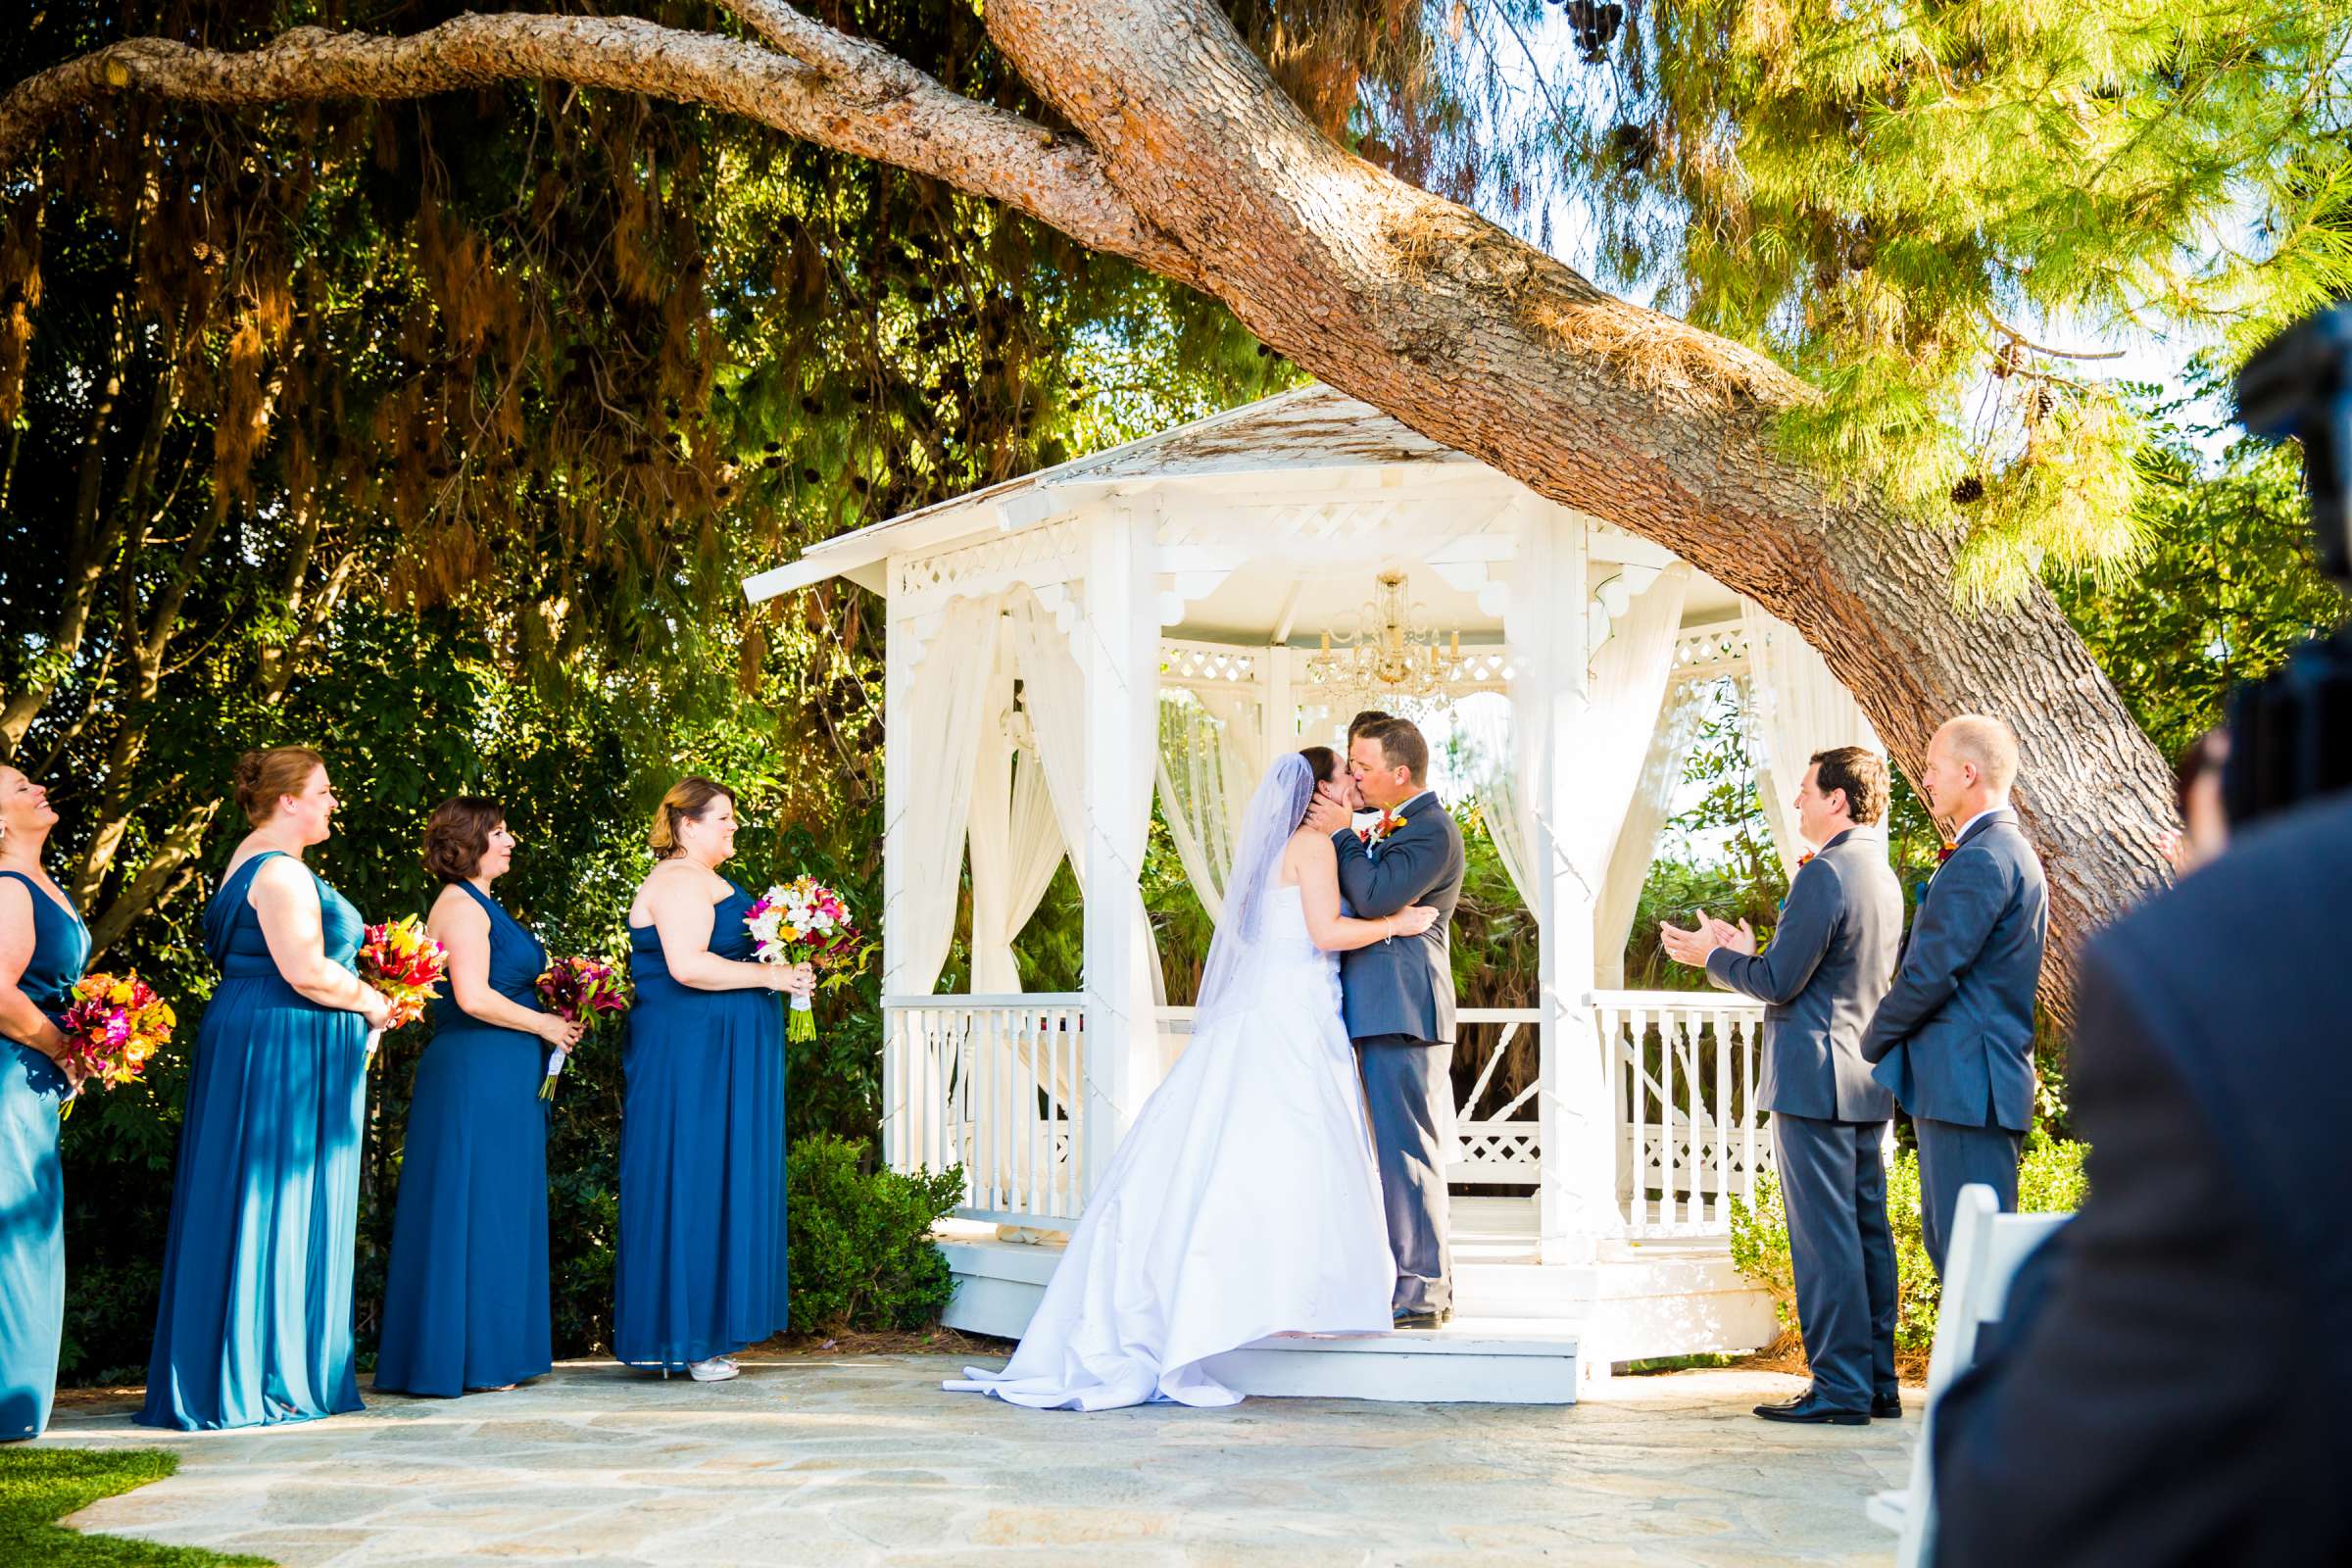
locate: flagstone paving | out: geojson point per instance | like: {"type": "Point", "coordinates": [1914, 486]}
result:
{"type": "Point", "coordinates": [862, 1460]}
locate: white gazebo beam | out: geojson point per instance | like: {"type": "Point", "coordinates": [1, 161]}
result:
{"type": "Point", "coordinates": [1117, 637]}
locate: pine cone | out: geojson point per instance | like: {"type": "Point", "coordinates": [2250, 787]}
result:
{"type": "Point", "coordinates": [1968, 491]}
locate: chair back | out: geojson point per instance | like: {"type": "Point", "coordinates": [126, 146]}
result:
{"type": "Point", "coordinates": [1988, 1247]}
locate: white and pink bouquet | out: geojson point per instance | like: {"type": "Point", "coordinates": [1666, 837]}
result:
{"type": "Point", "coordinates": [804, 921]}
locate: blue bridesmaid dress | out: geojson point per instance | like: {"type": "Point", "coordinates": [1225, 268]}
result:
{"type": "Point", "coordinates": [702, 1264]}
{"type": "Point", "coordinates": [33, 1188]}
{"type": "Point", "coordinates": [254, 1325]}
{"type": "Point", "coordinates": [466, 1299]}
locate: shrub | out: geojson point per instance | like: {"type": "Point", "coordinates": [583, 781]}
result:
{"type": "Point", "coordinates": [2049, 1181]}
{"type": "Point", "coordinates": [862, 1250]}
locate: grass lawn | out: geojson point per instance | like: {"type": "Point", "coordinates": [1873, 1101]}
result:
{"type": "Point", "coordinates": [41, 1484]}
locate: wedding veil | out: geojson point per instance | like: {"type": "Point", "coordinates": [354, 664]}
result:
{"type": "Point", "coordinates": [1273, 814]}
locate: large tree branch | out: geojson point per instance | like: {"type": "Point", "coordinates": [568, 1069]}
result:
{"type": "Point", "coordinates": [1477, 340]}
{"type": "Point", "coordinates": [850, 97]}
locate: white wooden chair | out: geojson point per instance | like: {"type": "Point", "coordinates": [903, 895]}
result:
{"type": "Point", "coordinates": [1988, 1247]}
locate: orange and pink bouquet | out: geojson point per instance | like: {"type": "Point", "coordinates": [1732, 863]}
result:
{"type": "Point", "coordinates": [401, 961]}
{"type": "Point", "coordinates": [114, 1028]}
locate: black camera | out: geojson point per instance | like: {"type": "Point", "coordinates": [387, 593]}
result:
{"type": "Point", "coordinates": [2290, 735]}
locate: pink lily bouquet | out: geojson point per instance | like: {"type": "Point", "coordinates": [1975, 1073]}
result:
{"type": "Point", "coordinates": [576, 990]}
{"type": "Point", "coordinates": [804, 921]}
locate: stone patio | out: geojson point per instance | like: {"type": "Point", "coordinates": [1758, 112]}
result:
{"type": "Point", "coordinates": [862, 1460]}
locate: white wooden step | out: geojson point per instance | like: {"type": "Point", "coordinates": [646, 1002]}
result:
{"type": "Point", "coordinates": [1459, 1363]}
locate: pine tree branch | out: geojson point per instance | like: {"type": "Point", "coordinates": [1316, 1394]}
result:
{"type": "Point", "coordinates": [831, 90]}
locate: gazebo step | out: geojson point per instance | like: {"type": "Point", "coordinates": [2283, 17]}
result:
{"type": "Point", "coordinates": [1465, 1361]}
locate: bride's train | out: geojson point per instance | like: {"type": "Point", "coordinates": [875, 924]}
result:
{"type": "Point", "coordinates": [1244, 1204]}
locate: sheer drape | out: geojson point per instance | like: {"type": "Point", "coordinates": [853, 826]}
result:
{"type": "Point", "coordinates": [1796, 707]}
{"type": "Point", "coordinates": [1679, 719]}
{"type": "Point", "coordinates": [1208, 768]}
{"type": "Point", "coordinates": [949, 692]}
{"type": "Point", "coordinates": [1628, 680]}
{"type": "Point", "coordinates": [1053, 699]}
{"type": "Point", "coordinates": [1016, 841]}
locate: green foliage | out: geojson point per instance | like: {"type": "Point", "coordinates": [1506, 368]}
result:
{"type": "Point", "coordinates": [2051, 1180]}
{"type": "Point", "coordinates": [1904, 202]}
{"type": "Point", "coordinates": [38, 1485]}
{"type": "Point", "coordinates": [2228, 587]}
{"type": "Point", "coordinates": [861, 1252]}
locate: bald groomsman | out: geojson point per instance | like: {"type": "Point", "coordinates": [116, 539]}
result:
{"type": "Point", "coordinates": [1954, 1038]}
{"type": "Point", "coordinates": [1830, 958]}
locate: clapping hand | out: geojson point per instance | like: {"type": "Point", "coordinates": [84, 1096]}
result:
{"type": "Point", "coordinates": [1694, 945]}
{"type": "Point", "coordinates": [1741, 938]}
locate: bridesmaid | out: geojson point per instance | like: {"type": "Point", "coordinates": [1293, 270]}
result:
{"type": "Point", "coordinates": [701, 1262]}
{"type": "Point", "coordinates": [42, 946]}
{"type": "Point", "coordinates": [253, 1326]}
{"type": "Point", "coordinates": [466, 1299]}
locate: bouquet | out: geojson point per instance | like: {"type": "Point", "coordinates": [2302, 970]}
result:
{"type": "Point", "coordinates": [112, 1028]}
{"type": "Point", "coordinates": [578, 991]}
{"type": "Point", "coordinates": [401, 961]}
{"type": "Point", "coordinates": [807, 922]}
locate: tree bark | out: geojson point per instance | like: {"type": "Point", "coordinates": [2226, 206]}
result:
{"type": "Point", "coordinates": [1196, 165]}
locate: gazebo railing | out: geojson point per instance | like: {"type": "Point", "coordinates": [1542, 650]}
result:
{"type": "Point", "coordinates": [996, 1085]}
{"type": "Point", "coordinates": [1681, 1071]}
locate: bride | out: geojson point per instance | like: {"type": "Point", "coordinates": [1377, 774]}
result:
{"type": "Point", "coordinates": [1245, 1201]}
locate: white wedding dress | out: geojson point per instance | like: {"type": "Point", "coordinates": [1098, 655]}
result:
{"type": "Point", "coordinates": [1242, 1204]}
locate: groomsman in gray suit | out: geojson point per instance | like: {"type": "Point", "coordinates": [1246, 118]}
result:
{"type": "Point", "coordinates": [1954, 1038]}
{"type": "Point", "coordinates": [1830, 962]}
{"type": "Point", "coordinates": [1398, 998]}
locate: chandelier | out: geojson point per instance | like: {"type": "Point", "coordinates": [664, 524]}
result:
{"type": "Point", "coordinates": [1382, 654]}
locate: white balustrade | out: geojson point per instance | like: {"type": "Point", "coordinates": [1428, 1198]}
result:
{"type": "Point", "coordinates": [995, 1085]}
{"type": "Point", "coordinates": [1681, 1071]}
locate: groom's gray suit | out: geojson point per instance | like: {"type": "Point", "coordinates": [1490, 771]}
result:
{"type": "Point", "coordinates": [1398, 1001]}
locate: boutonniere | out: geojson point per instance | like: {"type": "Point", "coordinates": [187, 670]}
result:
{"type": "Point", "coordinates": [1943, 851]}
{"type": "Point", "coordinates": [1381, 830]}
{"type": "Point", "coordinates": [1807, 858]}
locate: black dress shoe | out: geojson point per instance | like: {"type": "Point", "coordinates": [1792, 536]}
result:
{"type": "Point", "coordinates": [1887, 1407]}
{"type": "Point", "coordinates": [1812, 1410]}
{"type": "Point", "coordinates": [1408, 1318]}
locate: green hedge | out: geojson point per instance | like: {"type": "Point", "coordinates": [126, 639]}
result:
{"type": "Point", "coordinates": [862, 1257]}
{"type": "Point", "coordinates": [2049, 1181]}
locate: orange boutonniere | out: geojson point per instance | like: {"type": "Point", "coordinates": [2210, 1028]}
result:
{"type": "Point", "coordinates": [1381, 829]}
{"type": "Point", "coordinates": [1805, 859]}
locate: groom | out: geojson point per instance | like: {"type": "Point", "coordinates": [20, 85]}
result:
{"type": "Point", "coordinates": [1398, 995]}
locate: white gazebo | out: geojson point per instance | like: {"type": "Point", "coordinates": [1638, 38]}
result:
{"type": "Point", "coordinates": [1151, 621]}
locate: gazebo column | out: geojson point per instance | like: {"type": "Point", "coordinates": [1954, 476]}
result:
{"type": "Point", "coordinates": [1577, 1192]}
{"type": "Point", "coordinates": [1117, 642]}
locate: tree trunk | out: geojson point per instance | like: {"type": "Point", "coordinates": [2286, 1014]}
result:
{"type": "Point", "coordinates": [1433, 315]}
{"type": "Point", "coordinates": [1196, 165]}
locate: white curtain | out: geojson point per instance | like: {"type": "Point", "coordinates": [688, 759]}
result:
{"type": "Point", "coordinates": [1670, 740]}
{"type": "Point", "coordinates": [1629, 684]}
{"type": "Point", "coordinates": [1207, 768]}
{"type": "Point", "coordinates": [1054, 698]}
{"type": "Point", "coordinates": [1612, 750]}
{"type": "Point", "coordinates": [1488, 734]}
{"type": "Point", "coordinates": [1016, 841]}
{"type": "Point", "coordinates": [948, 693]}
{"type": "Point", "coordinates": [1796, 707]}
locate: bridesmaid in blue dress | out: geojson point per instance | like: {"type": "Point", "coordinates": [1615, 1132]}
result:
{"type": "Point", "coordinates": [254, 1325]}
{"type": "Point", "coordinates": [42, 946]}
{"type": "Point", "coordinates": [466, 1299]}
{"type": "Point", "coordinates": [701, 1265]}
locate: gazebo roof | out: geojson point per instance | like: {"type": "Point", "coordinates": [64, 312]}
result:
{"type": "Point", "coordinates": [1309, 430]}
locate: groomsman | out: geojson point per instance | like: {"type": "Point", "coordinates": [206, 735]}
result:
{"type": "Point", "coordinates": [1830, 962]}
{"type": "Point", "coordinates": [1954, 1038]}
